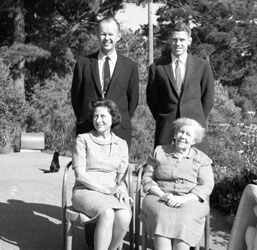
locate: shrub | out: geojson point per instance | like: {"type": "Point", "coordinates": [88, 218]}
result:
{"type": "Point", "coordinates": [51, 112]}
{"type": "Point", "coordinates": [13, 110]}
{"type": "Point", "coordinates": [233, 151]}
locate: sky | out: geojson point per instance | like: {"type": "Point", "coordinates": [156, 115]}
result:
{"type": "Point", "coordinates": [132, 16]}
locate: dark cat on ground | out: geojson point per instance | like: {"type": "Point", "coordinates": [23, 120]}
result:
{"type": "Point", "coordinates": [55, 166]}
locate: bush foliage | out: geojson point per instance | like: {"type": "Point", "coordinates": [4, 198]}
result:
{"type": "Point", "coordinates": [13, 111]}
{"type": "Point", "coordinates": [51, 113]}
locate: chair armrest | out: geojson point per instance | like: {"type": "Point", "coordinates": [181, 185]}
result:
{"type": "Point", "coordinates": [64, 185]}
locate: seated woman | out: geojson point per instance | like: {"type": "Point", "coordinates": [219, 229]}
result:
{"type": "Point", "coordinates": [100, 161]}
{"type": "Point", "coordinates": [178, 179]}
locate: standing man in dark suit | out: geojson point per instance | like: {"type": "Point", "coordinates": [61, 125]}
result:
{"type": "Point", "coordinates": [106, 74]}
{"type": "Point", "coordinates": [179, 85]}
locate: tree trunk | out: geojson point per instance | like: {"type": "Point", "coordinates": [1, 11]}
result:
{"type": "Point", "coordinates": [19, 37]}
{"type": "Point", "coordinates": [150, 32]}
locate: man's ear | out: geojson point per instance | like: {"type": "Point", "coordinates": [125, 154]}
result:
{"type": "Point", "coordinates": [119, 36]}
{"type": "Point", "coordinates": [190, 41]}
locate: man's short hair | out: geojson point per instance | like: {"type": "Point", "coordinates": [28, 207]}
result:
{"type": "Point", "coordinates": [182, 26]}
{"type": "Point", "coordinates": [108, 19]}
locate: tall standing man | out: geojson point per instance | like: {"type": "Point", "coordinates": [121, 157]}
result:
{"type": "Point", "coordinates": [179, 85]}
{"type": "Point", "coordinates": [106, 74]}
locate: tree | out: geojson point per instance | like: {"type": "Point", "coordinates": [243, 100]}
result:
{"type": "Point", "coordinates": [54, 31]}
{"type": "Point", "coordinates": [223, 31]}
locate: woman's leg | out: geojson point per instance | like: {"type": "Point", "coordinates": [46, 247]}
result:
{"type": "Point", "coordinates": [161, 243]}
{"type": "Point", "coordinates": [180, 245]}
{"type": "Point", "coordinates": [103, 230]}
{"type": "Point", "coordinates": [120, 227]}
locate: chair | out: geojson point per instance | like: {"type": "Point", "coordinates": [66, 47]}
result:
{"type": "Point", "coordinates": [138, 222]}
{"type": "Point", "coordinates": [71, 218]}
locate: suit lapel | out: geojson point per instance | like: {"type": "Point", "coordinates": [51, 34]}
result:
{"type": "Point", "coordinates": [189, 72]}
{"type": "Point", "coordinates": [95, 71]}
{"type": "Point", "coordinates": [119, 67]}
{"type": "Point", "coordinates": [168, 68]}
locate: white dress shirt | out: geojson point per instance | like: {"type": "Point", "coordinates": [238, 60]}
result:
{"type": "Point", "coordinates": [112, 62]}
{"type": "Point", "coordinates": [183, 61]}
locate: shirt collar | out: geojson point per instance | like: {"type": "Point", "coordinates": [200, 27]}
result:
{"type": "Point", "coordinates": [182, 58]}
{"type": "Point", "coordinates": [171, 152]}
{"type": "Point", "coordinates": [114, 139]}
{"type": "Point", "coordinates": [113, 56]}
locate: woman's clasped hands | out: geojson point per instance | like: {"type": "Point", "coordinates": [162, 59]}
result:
{"type": "Point", "coordinates": [172, 200]}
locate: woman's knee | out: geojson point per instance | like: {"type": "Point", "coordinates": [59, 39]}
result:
{"type": "Point", "coordinates": [123, 217]}
{"type": "Point", "coordinates": [107, 214]}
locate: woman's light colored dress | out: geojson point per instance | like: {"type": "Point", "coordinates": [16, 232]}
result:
{"type": "Point", "coordinates": [192, 174]}
{"type": "Point", "coordinates": [102, 162]}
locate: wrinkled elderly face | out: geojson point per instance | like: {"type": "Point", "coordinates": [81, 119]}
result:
{"type": "Point", "coordinates": [180, 40]}
{"type": "Point", "coordinates": [185, 137]}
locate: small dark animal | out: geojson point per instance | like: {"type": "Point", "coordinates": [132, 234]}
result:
{"type": "Point", "coordinates": [55, 166]}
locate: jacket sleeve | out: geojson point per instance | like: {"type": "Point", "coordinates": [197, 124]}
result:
{"type": "Point", "coordinates": [152, 92]}
{"type": "Point", "coordinates": [133, 90]}
{"type": "Point", "coordinates": [207, 90]}
{"type": "Point", "coordinates": [76, 86]}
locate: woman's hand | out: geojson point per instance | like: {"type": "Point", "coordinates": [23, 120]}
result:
{"type": "Point", "coordinates": [123, 196]}
{"type": "Point", "coordinates": [178, 200]}
{"type": "Point", "coordinates": [175, 200]}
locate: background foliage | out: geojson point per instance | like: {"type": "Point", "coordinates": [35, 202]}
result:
{"type": "Point", "coordinates": [57, 32]}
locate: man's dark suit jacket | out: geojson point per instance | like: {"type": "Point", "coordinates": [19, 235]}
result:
{"type": "Point", "coordinates": [195, 102]}
{"type": "Point", "coordinates": [123, 90]}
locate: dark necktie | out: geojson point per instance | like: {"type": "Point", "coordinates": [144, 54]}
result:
{"type": "Point", "coordinates": [178, 75]}
{"type": "Point", "coordinates": [107, 74]}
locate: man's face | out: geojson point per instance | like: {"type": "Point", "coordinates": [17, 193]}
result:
{"type": "Point", "coordinates": [180, 40]}
{"type": "Point", "coordinates": [108, 35]}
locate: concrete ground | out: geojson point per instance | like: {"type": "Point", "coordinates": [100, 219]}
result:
{"type": "Point", "coordinates": [30, 205]}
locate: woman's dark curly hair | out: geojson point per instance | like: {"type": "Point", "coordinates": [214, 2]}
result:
{"type": "Point", "coordinates": [112, 107]}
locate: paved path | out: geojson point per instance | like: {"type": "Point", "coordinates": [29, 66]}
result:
{"type": "Point", "coordinates": [30, 205]}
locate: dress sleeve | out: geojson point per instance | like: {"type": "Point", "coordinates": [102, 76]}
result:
{"type": "Point", "coordinates": [124, 158]}
{"type": "Point", "coordinates": [148, 176]}
{"type": "Point", "coordinates": [79, 152]}
{"type": "Point", "coordinates": [205, 180]}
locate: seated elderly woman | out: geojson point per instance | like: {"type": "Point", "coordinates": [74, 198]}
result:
{"type": "Point", "coordinates": [100, 161]}
{"type": "Point", "coordinates": [178, 179]}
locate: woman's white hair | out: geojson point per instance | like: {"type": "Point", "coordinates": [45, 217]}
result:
{"type": "Point", "coordinates": [199, 130]}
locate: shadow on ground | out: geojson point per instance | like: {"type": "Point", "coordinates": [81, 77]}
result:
{"type": "Point", "coordinates": [27, 225]}
{"type": "Point", "coordinates": [220, 229]}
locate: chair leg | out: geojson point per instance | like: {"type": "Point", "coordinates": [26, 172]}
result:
{"type": "Point", "coordinates": [144, 238]}
{"type": "Point", "coordinates": [69, 232]}
{"type": "Point", "coordinates": [207, 233]}
{"type": "Point", "coordinates": [137, 233]}
{"type": "Point", "coordinates": [131, 233]}
{"type": "Point", "coordinates": [63, 239]}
